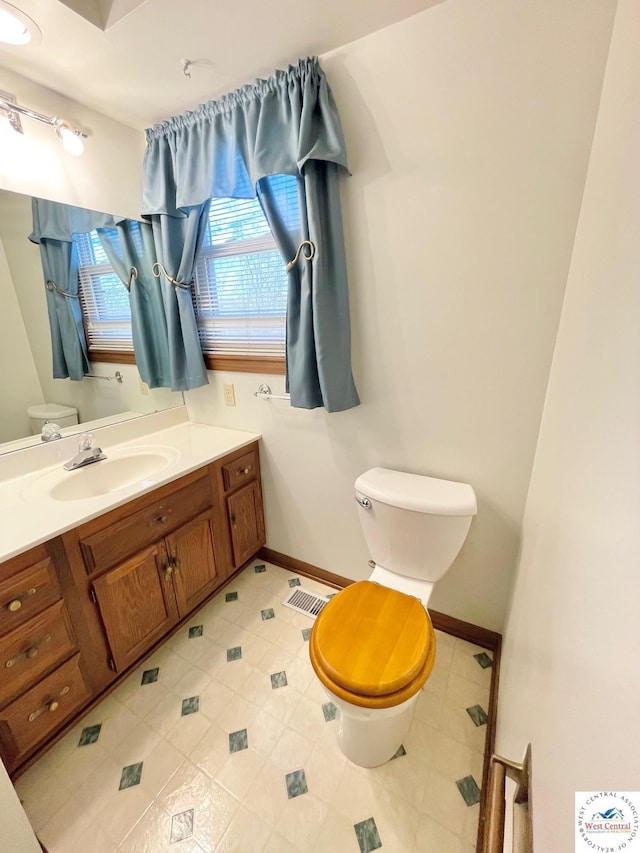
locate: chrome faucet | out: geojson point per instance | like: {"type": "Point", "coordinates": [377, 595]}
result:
{"type": "Point", "coordinates": [87, 453]}
{"type": "Point", "coordinates": [50, 432]}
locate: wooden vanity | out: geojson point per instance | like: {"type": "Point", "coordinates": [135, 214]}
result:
{"type": "Point", "coordinates": [79, 611]}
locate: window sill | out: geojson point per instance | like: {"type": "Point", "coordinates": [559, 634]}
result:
{"type": "Point", "coordinates": [112, 356]}
{"type": "Point", "coordinates": [246, 363]}
{"type": "Point", "coordinates": [232, 363]}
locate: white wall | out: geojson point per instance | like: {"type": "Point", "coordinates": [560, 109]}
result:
{"type": "Point", "coordinates": [468, 128]}
{"type": "Point", "coordinates": [19, 382]}
{"type": "Point", "coordinates": [569, 680]}
{"type": "Point", "coordinates": [108, 176]}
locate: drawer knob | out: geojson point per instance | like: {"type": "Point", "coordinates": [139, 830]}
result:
{"type": "Point", "coordinates": [15, 604]}
{"type": "Point", "coordinates": [30, 652]}
{"type": "Point", "coordinates": [244, 471]}
{"type": "Point", "coordinates": [52, 705]}
{"type": "Point", "coordinates": [160, 519]}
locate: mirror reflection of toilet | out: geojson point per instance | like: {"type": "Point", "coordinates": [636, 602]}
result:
{"type": "Point", "coordinates": [373, 645]}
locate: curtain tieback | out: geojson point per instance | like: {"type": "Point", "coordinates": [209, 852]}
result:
{"type": "Point", "coordinates": [133, 275]}
{"type": "Point", "coordinates": [51, 285]}
{"type": "Point", "coordinates": [157, 269]}
{"type": "Point", "coordinates": [310, 256]}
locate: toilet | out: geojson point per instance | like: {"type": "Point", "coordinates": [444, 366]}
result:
{"type": "Point", "coordinates": [51, 413]}
{"type": "Point", "coordinates": [373, 646]}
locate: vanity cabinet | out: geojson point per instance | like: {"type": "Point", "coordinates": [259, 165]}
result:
{"type": "Point", "coordinates": [243, 501]}
{"type": "Point", "coordinates": [79, 612]}
{"type": "Point", "coordinates": [142, 598]}
{"type": "Point", "coordinates": [42, 684]}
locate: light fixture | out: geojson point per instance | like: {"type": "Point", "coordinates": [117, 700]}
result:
{"type": "Point", "coordinates": [70, 136]}
{"type": "Point", "coordinates": [17, 28]}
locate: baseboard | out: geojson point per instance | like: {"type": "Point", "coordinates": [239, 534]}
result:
{"type": "Point", "coordinates": [466, 630]}
{"type": "Point", "coordinates": [475, 634]}
{"type": "Point", "coordinates": [307, 570]}
{"type": "Point", "coordinates": [449, 624]}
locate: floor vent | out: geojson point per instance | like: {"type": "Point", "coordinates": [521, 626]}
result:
{"type": "Point", "coordinates": [305, 602]}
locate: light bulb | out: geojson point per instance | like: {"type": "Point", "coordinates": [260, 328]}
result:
{"type": "Point", "coordinates": [70, 139]}
{"type": "Point", "coordinates": [16, 27]}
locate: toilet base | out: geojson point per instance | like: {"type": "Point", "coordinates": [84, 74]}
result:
{"type": "Point", "coordinates": [367, 737]}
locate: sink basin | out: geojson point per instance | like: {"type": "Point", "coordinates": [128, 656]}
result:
{"type": "Point", "coordinates": [121, 468]}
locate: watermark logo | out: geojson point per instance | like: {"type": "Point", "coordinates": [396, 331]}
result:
{"type": "Point", "coordinates": [608, 821]}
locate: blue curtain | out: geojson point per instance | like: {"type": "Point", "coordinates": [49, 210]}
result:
{"type": "Point", "coordinates": [53, 228]}
{"type": "Point", "coordinates": [131, 245]}
{"type": "Point", "coordinates": [288, 125]}
{"type": "Point", "coordinates": [178, 240]}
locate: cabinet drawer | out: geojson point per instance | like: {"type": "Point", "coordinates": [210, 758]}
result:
{"type": "Point", "coordinates": [27, 721]}
{"type": "Point", "coordinates": [240, 471]}
{"type": "Point", "coordinates": [33, 648]}
{"type": "Point", "coordinates": [121, 539]}
{"type": "Point", "coordinates": [26, 593]}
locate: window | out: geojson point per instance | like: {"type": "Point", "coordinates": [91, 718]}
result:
{"type": "Point", "coordinates": [240, 283]}
{"type": "Point", "coordinates": [239, 290]}
{"type": "Point", "coordinates": [104, 300]}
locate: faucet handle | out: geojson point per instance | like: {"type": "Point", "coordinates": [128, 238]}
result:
{"type": "Point", "coordinates": [86, 441]}
{"type": "Point", "coordinates": [50, 432]}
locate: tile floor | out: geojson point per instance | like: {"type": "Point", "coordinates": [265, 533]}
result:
{"type": "Point", "coordinates": [224, 741]}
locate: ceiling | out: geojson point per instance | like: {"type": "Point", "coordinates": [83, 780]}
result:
{"type": "Point", "coordinates": [132, 71]}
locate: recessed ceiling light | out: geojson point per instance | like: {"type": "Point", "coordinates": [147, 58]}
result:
{"type": "Point", "coordinates": [16, 27]}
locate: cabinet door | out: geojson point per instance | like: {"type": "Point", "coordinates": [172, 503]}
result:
{"type": "Point", "coordinates": [247, 522]}
{"type": "Point", "coordinates": [191, 558]}
{"type": "Point", "coordinates": [137, 604]}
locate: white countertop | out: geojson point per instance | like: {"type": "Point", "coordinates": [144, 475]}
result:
{"type": "Point", "coordinates": [30, 516]}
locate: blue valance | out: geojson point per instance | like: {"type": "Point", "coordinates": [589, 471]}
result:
{"type": "Point", "coordinates": [55, 221]}
{"type": "Point", "coordinates": [224, 147]}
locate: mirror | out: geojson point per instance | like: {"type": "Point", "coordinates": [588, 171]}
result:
{"type": "Point", "coordinates": [25, 349]}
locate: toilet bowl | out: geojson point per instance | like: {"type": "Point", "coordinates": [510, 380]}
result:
{"type": "Point", "coordinates": [373, 646]}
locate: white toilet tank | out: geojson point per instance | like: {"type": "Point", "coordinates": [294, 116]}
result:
{"type": "Point", "coordinates": [414, 525]}
{"type": "Point", "coordinates": [51, 413]}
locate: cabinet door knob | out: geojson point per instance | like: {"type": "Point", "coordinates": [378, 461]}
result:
{"type": "Point", "coordinates": [168, 571]}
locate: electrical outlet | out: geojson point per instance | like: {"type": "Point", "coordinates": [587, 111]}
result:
{"type": "Point", "coordinates": [229, 395]}
{"type": "Point", "coordinates": [144, 388]}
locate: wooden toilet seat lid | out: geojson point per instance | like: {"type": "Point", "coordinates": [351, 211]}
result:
{"type": "Point", "coordinates": [373, 641]}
